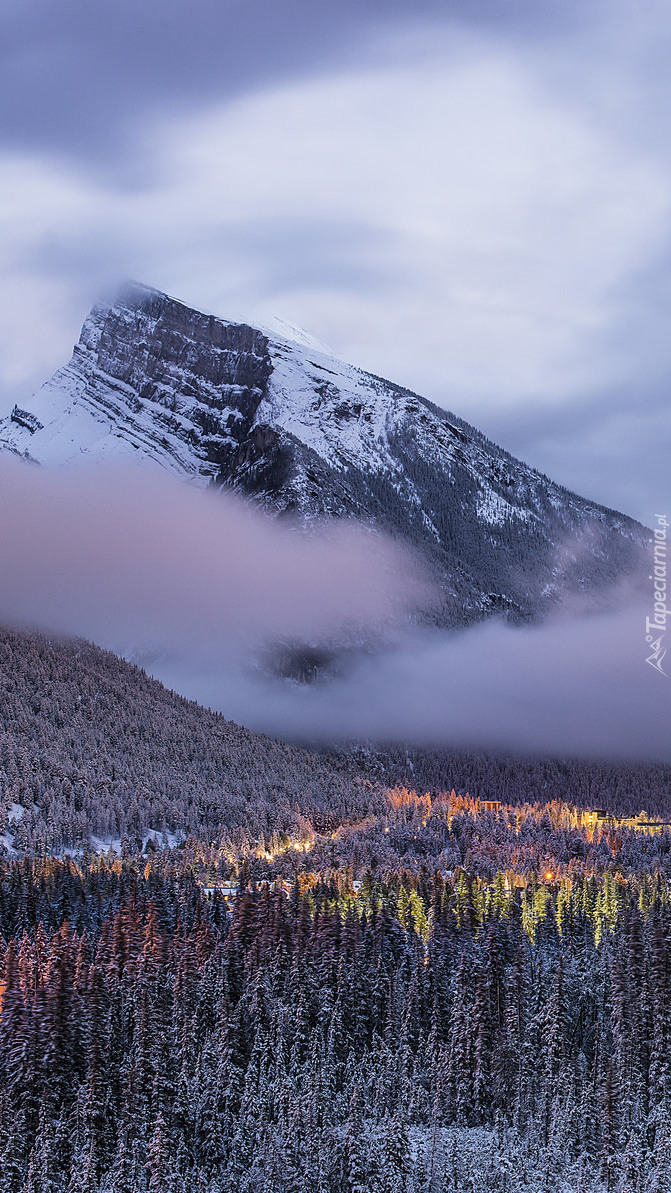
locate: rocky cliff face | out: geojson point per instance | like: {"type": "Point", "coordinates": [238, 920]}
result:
{"type": "Point", "coordinates": [148, 375]}
{"type": "Point", "coordinates": [223, 403]}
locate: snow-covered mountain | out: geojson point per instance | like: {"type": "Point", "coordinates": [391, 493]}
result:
{"type": "Point", "coordinates": [281, 422]}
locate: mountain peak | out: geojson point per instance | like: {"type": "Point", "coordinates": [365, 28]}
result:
{"type": "Point", "coordinates": [286, 424]}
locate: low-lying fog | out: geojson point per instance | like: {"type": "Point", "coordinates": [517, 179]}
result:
{"type": "Point", "coordinates": [197, 586]}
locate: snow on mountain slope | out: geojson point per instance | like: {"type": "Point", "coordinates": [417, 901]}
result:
{"type": "Point", "coordinates": [290, 426]}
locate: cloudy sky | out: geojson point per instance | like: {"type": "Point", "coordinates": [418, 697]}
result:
{"type": "Point", "coordinates": [471, 197]}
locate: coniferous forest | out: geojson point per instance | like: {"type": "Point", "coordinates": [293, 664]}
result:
{"type": "Point", "coordinates": [423, 1034]}
{"type": "Point", "coordinates": [232, 965]}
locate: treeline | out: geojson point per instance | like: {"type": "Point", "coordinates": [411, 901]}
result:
{"type": "Point", "coordinates": [620, 787]}
{"type": "Point", "coordinates": [423, 1036]}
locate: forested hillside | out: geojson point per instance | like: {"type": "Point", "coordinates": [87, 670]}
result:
{"type": "Point", "coordinates": [89, 744]}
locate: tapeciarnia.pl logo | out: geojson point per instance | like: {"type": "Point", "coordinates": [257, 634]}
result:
{"type": "Point", "coordinates": [655, 626]}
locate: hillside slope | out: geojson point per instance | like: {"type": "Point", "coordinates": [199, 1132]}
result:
{"type": "Point", "coordinates": [90, 745]}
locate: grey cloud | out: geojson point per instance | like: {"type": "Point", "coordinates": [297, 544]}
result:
{"type": "Point", "coordinates": [76, 77]}
{"type": "Point", "coordinates": [136, 560]}
{"type": "Point", "coordinates": [310, 252]}
{"type": "Point", "coordinates": [577, 687]}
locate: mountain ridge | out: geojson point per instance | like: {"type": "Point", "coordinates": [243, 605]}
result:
{"type": "Point", "coordinates": [302, 433]}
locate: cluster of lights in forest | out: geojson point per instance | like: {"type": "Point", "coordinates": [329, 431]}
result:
{"type": "Point", "coordinates": [290, 846]}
